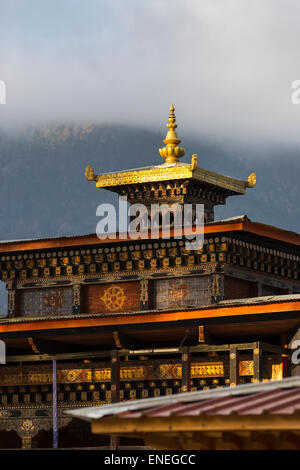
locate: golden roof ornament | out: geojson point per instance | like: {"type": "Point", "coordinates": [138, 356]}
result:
{"type": "Point", "coordinates": [251, 180]}
{"type": "Point", "coordinates": [130, 181]}
{"type": "Point", "coordinates": [171, 152]}
{"type": "Point", "coordinates": [90, 174]}
{"type": "Point", "coordinates": [194, 162]}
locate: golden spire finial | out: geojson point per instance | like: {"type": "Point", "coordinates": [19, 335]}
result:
{"type": "Point", "coordinates": [171, 152]}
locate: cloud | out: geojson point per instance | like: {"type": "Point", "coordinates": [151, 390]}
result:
{"type": "Point", "coordinates": [228, 66]}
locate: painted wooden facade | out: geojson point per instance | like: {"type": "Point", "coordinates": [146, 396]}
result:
{"type": "Point", "coordinates": [127, 319]}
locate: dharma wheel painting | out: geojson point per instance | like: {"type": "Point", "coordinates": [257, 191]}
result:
{"type": "Point", "coordinates": [113, 297]}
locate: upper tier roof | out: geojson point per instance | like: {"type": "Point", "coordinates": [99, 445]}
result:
{"type": "Point", "coordinates": [172, 169]}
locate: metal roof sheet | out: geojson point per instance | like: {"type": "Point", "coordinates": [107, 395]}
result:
{"type": "Point", "coordinates": [241, 218]}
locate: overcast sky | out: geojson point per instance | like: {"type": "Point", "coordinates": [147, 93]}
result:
{"type": "Point", "coordinates": [227, 65]}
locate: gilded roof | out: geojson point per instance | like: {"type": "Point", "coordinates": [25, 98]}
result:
{"type": "Point", "coordinates": [166, 172]}
{"type": "Point", "coordinates": [172, 169]}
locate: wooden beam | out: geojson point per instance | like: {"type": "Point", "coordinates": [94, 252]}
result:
{"type": "Point", "coordinates": [207, 423]}
{"type": "Point", "coordinates": [222, 441]}
{"type": "Point", "coordinates": [234, 366]}
{"type": "Point", "coordinates": [123, 352]}
{"type": "Point", "coordinates": [54, 405]}
{"type": "Point", "coordinates": [257, 364]}
{"type": "Point", "coordinates": [115, 390]}
{"type": "Point", "coordinates": [201, 334]}
{"type": "Point", "coordinates": [115, 376]}
{"type": "Point", "coordinates": [117, 340]}
{"type": "Point", "coordinates": [186, 369]}
{"type": "Point", "coordinates": [222, 347]}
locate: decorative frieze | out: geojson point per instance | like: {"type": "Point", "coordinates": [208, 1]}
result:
{"type": "Point", "coordinates": [40, 377]}
{"type": "Point", "coordinates": [143, 256]}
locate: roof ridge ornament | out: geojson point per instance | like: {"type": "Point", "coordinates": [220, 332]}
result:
{"type": "Point", "coordinates": [251, 180]}
{"type": "Point", "coordinates": [90, 174]}
{"type": "Point", "coordinates": [171, 152]}
{"type": "Point", "coordinates": [194, 162]}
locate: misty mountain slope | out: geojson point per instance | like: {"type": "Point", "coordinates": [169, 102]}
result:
{"type": "Point", "coordinates": [44, 191]}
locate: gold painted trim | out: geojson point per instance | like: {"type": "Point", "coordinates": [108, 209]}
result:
{"type": "Point", "coordinates": [165, 173]}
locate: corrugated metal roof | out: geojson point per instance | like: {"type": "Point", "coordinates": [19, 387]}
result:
{"type": "Point", "coordinates": [258, 300]}
{"type": "Point", "coordinates": [231, 220]}
{"type": "Point", "coordinates": [239, 218]}
{"type": "Point", "coordinates": [273, 397]}
{"type": "Point", "coordinates": [58, 237]}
